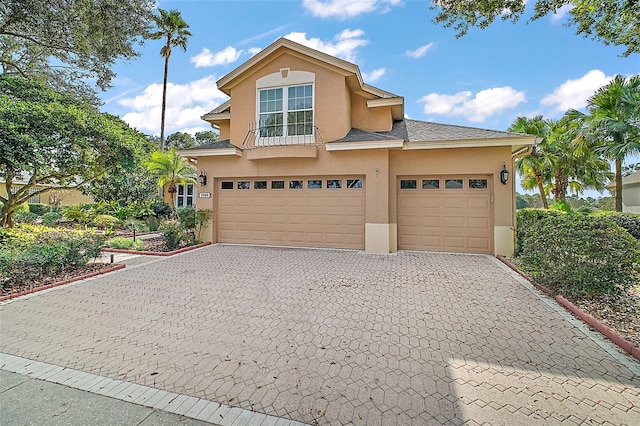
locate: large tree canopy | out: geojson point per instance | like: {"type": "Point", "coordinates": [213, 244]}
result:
{"type": "Point", "coordinates": [67, 42]}
{"type": "Point", "coordinates": [52, 141]}
{"type": "Point", "coordinates": [614, 22]}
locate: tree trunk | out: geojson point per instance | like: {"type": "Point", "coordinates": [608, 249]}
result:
{"type": "Point", "coordinates": [164, 94]}
{"type": "Point", "coordinates": [618, 185]}
{"type": "Point", "coordinates": [543, 197]}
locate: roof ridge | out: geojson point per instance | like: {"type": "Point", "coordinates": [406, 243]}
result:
{"type": "Point", "coordinates": [466, 127]}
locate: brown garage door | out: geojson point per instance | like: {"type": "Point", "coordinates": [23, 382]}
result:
{"type": "Point", "coordinates": [293, 211]}
{"type": "Point", "coordinates": [445, 213]}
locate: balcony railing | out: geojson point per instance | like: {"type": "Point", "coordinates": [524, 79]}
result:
{"type": "Point", "coordinates": [263, 137]}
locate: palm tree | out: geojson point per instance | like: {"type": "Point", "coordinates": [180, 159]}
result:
{"type": "Point", "coordinates": [535, 167]}
{"type": "Point", "coordinates": [171, 169]}
{"type": "Point", "coordinates": [172, 27]}
{"type": "Point", "coordinates": [612, 124]}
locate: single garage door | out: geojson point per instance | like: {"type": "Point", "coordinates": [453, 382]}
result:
{"type": "Point", "coordinates": [445, 213]}
{"type": "Point", "coordinates": [293, 211]}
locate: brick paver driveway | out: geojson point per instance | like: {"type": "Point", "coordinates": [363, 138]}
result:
{"type": "Point", "coordinates": [333, 337]}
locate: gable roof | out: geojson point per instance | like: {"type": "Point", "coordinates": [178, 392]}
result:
{"type": "Point", "coordinates": [632, 179]}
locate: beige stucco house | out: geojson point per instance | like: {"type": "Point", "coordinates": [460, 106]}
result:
{"type": "Point", "coordinates": [310, 155]}
{"type": "Point", "coordinates": [631, 193]}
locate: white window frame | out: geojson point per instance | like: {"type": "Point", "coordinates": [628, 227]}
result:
{"type": "Point", "coordinates": [184, 195]}
{"type": "Point", "coordinates": [284, 80]}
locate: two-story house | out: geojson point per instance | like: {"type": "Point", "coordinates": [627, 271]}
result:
{"type": "Point", "coordinates": [310, 155]}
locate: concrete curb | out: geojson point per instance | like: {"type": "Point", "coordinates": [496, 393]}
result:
{"type": "Point", "coordinates": [59, 283]}
{"type": "Point", "coordinates": [593, 322]}
{"type": "Point", "coordinates": [157, 253]}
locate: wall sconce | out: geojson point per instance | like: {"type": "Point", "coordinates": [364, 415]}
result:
{"type": "Point", "coordinates": [504, 174]}
{"type": "Point", "coordinates": [202, 178]}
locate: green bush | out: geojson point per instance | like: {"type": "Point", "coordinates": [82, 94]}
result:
{"type": "Point", "coordinates": [161, 209]}
{"type": "Point", "coordinates": [25, 217]}
{"type": "Point", "coordinates": [628, 221]}
{"type": "Point", "coordinates": [39, 209]}
{"type": "Point", "coordinates": [30, 252]}
{"type": "Point", "coordinates": [78, 214]}
{"type": "Point", "coordinates": [174, 234]}
{"type": "Point", "coordinates": [106, 222]}
{"type": "Point", "coordinates": [580, 254]}
{"type": "Point", "coordinates": [527, 220]}
{"type": "Point", "coordinates": [51, 218]}
{"type": "Point", "coordinates": [125, 243]}
{"type": "Point", "coordinates": [187, 217]}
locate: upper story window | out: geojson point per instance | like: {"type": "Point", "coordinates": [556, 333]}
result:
{"type": "Point", "coordinates": [286, 111]}
{"type": "Point", "coordinates": [285, 107]}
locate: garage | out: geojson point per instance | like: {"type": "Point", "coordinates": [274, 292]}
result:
{"type": "Point", "coordinates": [324, 211]}
{"type": "Point", "coordinates": [445, 213]}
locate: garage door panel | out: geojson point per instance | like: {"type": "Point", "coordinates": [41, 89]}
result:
{"type": "Point", "coordinates": [316, 217]}
{"type": "Point", "coordinates": [444, 219]}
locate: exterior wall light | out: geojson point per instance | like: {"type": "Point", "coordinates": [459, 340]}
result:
{"type": "Point", "coordinates": [504, 174]}
{"type": "Point", "coordinates": [202, 178]}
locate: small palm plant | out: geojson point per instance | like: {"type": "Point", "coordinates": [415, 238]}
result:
{"type": "Point", "coordinates": [171, 169]}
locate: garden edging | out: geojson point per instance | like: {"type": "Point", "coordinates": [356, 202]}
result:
{"type": "Point", "coordinates": [156, 253]}
{"type": "Point", "coordinates": [593, 322]}
{"type": "Point", "coordinates": [59, 283]}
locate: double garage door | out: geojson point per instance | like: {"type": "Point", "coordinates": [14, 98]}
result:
{"type": "Point", "coordinates": [445, 213]}
{"type": "Point", "coordinates": [322, 211]}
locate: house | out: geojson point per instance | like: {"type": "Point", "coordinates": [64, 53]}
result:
{"type": "Point", "coordinates": [631, 193]}
{"type": "Point", "coordinates": [53, 197]}
{"type": "Point", "coordinates": [310, 155]}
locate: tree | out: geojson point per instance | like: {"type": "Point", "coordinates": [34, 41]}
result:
{"type": "Point", "coordinates": [171, 26]}
{"type": "Point", "coordinates": [180, 140]}
{"type": "Point", "coordinates": [206, 136]}
{"type": "Point", "coordinates": [127, 182]}
{"type": "Point", "coordinates": [54, 141]}
{"type": "Point", "coordinates": [614, 22]}
{"type": "Point", "coordinates": [171, 169]}
{"type": "Point", "coordinates": [535, 167]}
{"type": "Point", "coordinates": [69, 42]}
{"type": "Point", "coordinates": [612, 124]}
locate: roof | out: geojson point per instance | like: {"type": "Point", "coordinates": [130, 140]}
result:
{"type": "Point", "coordinates": [225, 143]}
{"type": "Point", "coordinates": [423, 131]}
{"type": "Point", "coordinates": [632, 179]}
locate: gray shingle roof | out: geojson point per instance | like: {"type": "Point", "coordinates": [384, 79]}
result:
{"type": "Point", "coordinates": [632, 178]}
{"type": "Point", "coordinates": [420, 131]}
{"type": "Point", "coordinates": [214, 145]}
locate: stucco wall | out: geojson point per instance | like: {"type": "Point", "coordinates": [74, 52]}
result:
{"type": "Point", "coordinates": [370, 119]}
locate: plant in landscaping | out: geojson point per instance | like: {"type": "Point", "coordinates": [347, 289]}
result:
{"type": "Point", "coordinates": [77, 214]}
{"type": "Point", "coordinates": [187, 217]}
{"type": "Point", "coordinates": [628, 221]}
{"type": "Point", "coordinates": [581, 255]}
{"type": "Point", "coordinates": [51, 218]}
{"type": "Point", "coordinates": [134, 226]}
{"type": "Point", "coordinates": [25, 217]}
{"type": "Point", "coordinates": [106, 222]}
{"type": "Point", "coordinates": [125, 243]}
{"type": "Point", "coordinates": [174, 234]}
{"type": "Point", "coordinates": [202, 219]}
{"type": "Point", "coordinates": [39, 209]}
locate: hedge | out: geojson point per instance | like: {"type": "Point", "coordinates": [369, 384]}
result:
{"type": "Point", "coordinates": [578, 254]}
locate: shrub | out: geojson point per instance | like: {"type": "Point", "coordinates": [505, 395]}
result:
{"type": "Point", "coordinates": [51, 218]}
{"type": "Point", "coordinates": [527, 220]}
{"type": "Point", "coordinates": [161, 209]}
{"type": "Point", "coordinates": [77, 214]}
{"type": "Point", "coordinates": [580, 255]}
{"type": "Point", "coordinates": [174, 234]}
{"type": "Point", "coordinates": [187, 217]}
{"type": "Point", "coordinates": [628, 221]}
{"type": "Point", "coordinates": [30, 252]}
{"type": "Point", "coordinates": [125, 243]}
{"type": "Point", "coordinates": [153, 224]}
{"type": "Point", "coordinates": [25, 217]}
{"type": "Point", "coordinates": [106, 222]}
{"type": "Point", "coordinates": [39, 209]}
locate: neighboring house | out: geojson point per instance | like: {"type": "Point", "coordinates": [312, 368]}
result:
{"type": "Point", "coordinates": [309, 155]}
{"type": "Point", "coordinates": [61, 197]}
{"type": "Point", "coordinates": [631, 193]}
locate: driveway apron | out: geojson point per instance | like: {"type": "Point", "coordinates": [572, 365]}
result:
{"type": "Point", "coordinates": [333, 337]}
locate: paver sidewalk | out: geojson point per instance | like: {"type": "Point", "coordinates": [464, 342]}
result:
{"type": "Point", "coordinates": [334, 337]}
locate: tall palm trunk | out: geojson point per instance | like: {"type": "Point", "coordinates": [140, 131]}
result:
{"type": "Point", "coordinates": [164, 95]}
{"type": "Point", "coordinates": [618, 185]}
{"type": "Point", "coordinates": [543, 197]}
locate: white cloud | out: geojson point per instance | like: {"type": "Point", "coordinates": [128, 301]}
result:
{"type": "Point", "coordinates": [343, 9]}
{"type": "Point", "coordinates": [205, 58]}
{"type": "Point", "coordinates": [370, 77]}
{"type": "Point", "coordinates": [478, 108]}
{"type": "Point", "coordinates": [185, 104]}
{"type": "Point", "coordinates": [254, 50]}
{"type": "Point", "coordinates": [574, 93]}
{"type": "Point", "coordinates": [560, 13]}
{"type": "Point", "coordinates": [343, 45]}
{"type": "Point", "coordinates": [420, 51]}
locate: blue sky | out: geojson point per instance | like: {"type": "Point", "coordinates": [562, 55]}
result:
{"type": "Point", "coordinates": [485, 79]}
